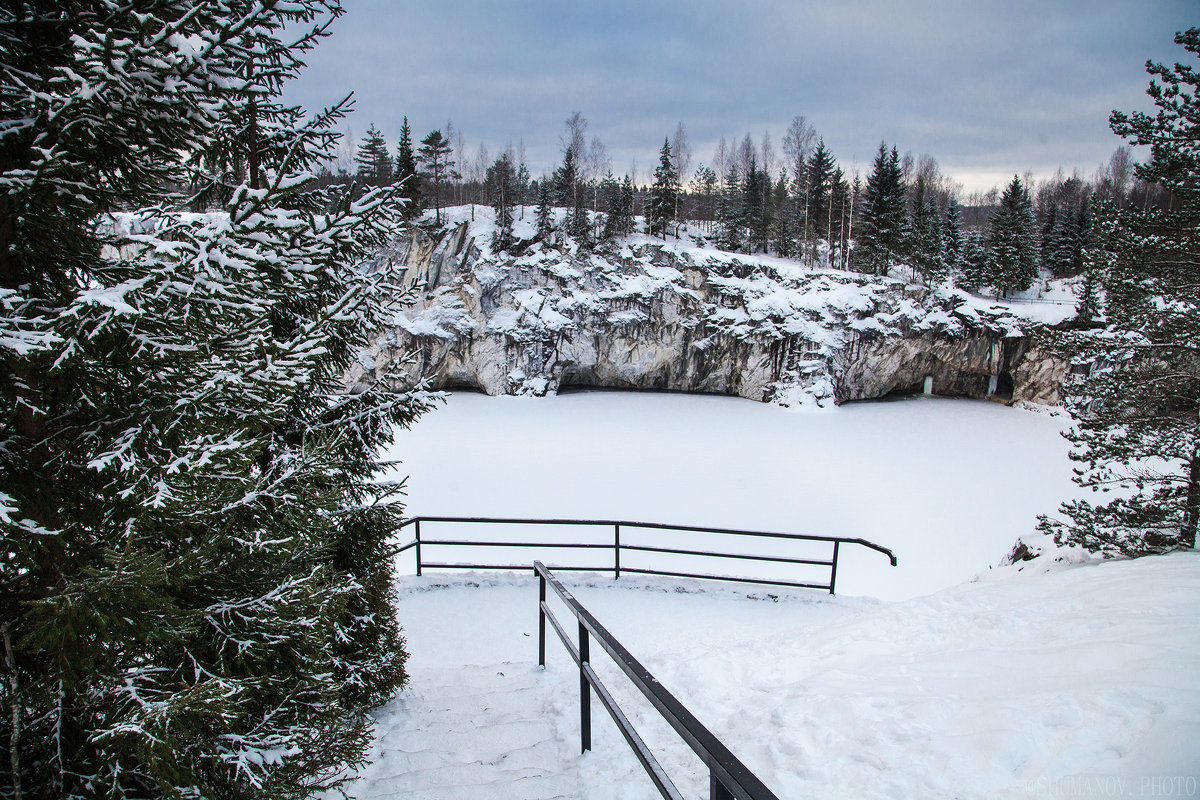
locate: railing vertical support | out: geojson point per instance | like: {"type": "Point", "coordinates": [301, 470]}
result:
{"type": "Point", "coordinates": [418, 548]}
{"type": "Point", "coordinates": [616, 550]}
{"type": "Point", "coordinates": [585, 692]}
{"type": "Point", "coordinates": [541, 621]}
{"type": "Point", "coordinates": [833, 567]}
{"type": "Point", "coordinates": [717, 790]}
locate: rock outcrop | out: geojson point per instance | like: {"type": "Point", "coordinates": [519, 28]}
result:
{"type": "Point", "coordinates": [645, 315]}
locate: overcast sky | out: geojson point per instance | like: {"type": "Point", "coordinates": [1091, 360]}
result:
{"type": "Point", "coordinates": [988, 88]}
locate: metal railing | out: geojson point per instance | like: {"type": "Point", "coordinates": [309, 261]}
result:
{"type": "Point", "coordinates": [616, 546]}
{"type": "Point", "coordinates": [728, 777]}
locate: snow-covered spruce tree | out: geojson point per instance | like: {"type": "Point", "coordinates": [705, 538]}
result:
{"type": "Point", "coordinates": [434, 155]}
{"type": "Point", "coordinates": [501, 182]}
{"type": "Point", "coordinates": [373, 161]}
{"type": "Point", "coordinates": [925, 248]}
{"type": "Point", "coordinates": [663, 194]}
{"type": "Point", "coordinates": [406, 173]}
{"type": "Point", "coordinates": [1138, 429]}
{"type": "Point", "coordinates": [1012, 242]}
{"type": "Point", "coordinates": [952, 238]}
{"type": "Point", "coordinates": [543, 215]}
{"type": "Point", "coordinates": [731, 213]}
{"type": "Point", "coordinates": [882, 230]}
{"type": "Point", "coordinates": [194, 581]}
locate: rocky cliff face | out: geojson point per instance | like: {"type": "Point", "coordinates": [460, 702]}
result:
{"type": "Point", "coordinates": [648, 315]}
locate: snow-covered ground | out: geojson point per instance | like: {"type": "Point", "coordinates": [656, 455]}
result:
{"type": "Point", "coordinates": [1021, 685]}
{"type": "Point", "coordinates": [940, 678]}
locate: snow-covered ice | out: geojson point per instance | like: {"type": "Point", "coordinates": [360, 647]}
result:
{"type": "Point", "coordinates": [941, 678]}
{"type": "Point", "coordinates": [948, 485]}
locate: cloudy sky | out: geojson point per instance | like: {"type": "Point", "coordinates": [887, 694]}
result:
{"type": "Point", "coordinates": [988, 88]}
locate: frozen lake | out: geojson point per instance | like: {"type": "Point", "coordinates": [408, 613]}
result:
{"type": "Point", "coordinates": [948, 485]}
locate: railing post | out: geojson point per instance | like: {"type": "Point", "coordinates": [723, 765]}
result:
{"type": "Point", "coordinates": [418, 548]}
{"type": "Point", "coordinates": [616, 550]}
{"type": "Point", "coordinates": [716, 789]}
{"type": "Point", "coordinates": [541, 620]}
{"type": "Point", "coordinates": [833, 567]}
{"type": "Point", "coordinates": [585, 693]}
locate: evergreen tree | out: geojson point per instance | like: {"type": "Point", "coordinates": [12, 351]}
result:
{"type": "Point", "coordinates": [975, 265]}
{"type": "Point", "coordinates": [195, 597]}
{"type": "Point", "coordinates": [925, 249]}
{"type": "Point", "coordinates": [406, 174]}
{"type": "Point", "coordinates": [1011, 242]}
{"type": "Point", "coordinates": [610, 191]}
{"type": "Point", "coordinates": [501, 183]}
{"type": "Point", "coordinates": [434, 154]}
{"type": "Point", "coordinates": [754, 208]}
{"type": "Point", "coordinates": [1137, 412]}
{"type": "Point", "coordinates": [952, 239]}
{"type": "Point", "coordinates": [522, 198]}
{"type": "Point", "coordinates": [374, 163]}
{"type": "Point", "coordinates": [819, 180]}
{"type": "Point", "coordinates": [839, 218]}
{"type": "Point", "coordinates": [731, 214]}
{"type": "Point", "coordinates": [627, 199]}
{"type": "Point", "coordinates": [707, 180]}
{"type": "Point", "coordinates": [663, 194]}
{"type": "Point", "coordinates": [883, 214]}
{"type": "Point", "coordinates": [1050, 231]}
{"type": "Point", "coordinates": [784, 235]}
{"type": "Point", "coordinates": [1088, 311]}
{"type": "Point", "coordinates": [543, 216]}
{"type": "Point", "coordinates": [566, 184]}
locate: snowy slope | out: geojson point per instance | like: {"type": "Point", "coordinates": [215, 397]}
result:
{"type": "Point", "coordinates": [1020, 685]}
{"type": "Point", "coordinates": [942, 678]}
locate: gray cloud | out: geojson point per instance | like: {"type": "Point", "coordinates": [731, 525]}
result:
{"type": "Point", "coordinates": [988, 88]}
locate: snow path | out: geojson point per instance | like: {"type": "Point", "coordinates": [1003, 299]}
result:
{"type": "Point", "coordinates": [1014, 685]}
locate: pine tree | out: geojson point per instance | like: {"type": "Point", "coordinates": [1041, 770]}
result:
{"type": "Point", "coordinates": [374, 163]}
{"type": "Point", "coordinates": [731, 214]}
{"type": "Point", "coordinates": [784, 235]}
{"type": "Point", "coordinates": [1011, 242]}
{"type": "Point", "coordinates": [195, 598]}
{"type": "Point", "coordinates": [819, 180]}
{"type": "Point", "coordinates": [1138, 411]}
{"type": "Point", "coordinates": [566, 184]}
{"type": "Point", "coordinates": [406, 174]}
{"type": "Point", "coordinates": [707, 180]}
{"type": "Point", "coordinates": [925, 249]}
{"type": "Point", "coordinates": [627, 200]}
{"type": "Point", "coordinates": [610, 191]}
{"type": "Point", "coordinates": [754, 210]}
{"type": "Point", "coordinates": [882, 230]}
{"type": "Point", "coordinates": [544, 214]}
{"type": "Point", "coordinates": [434, 155]}
{"type": "Point", "coordinates": [1050, 228]}
{"type": "Point", "coordinates": [952, 239]}
{"type": "Point", "coordinates": [501, 183]}
{"type": "Point", "coordinates": [663, 194]}
{"type": "Point", "coordinates": [975, 265]}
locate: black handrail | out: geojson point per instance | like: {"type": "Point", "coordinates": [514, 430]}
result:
{"type": "Point", "coordinates": [729, 778]}
{"type": "Point", "coordinates": [616, 546]}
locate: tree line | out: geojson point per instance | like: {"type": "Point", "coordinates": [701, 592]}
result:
{"type": "Point", "coordinates": [906, 217]}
